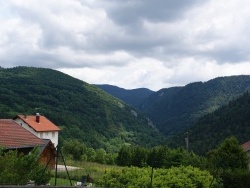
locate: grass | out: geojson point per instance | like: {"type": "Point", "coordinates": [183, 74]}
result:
{"type": "Point", "coordinates": [61, 182]}
{"type": "Point", "coordinates": [96, 172]}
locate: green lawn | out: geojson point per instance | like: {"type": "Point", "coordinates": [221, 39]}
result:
{"type": "Point", "coordinates": [61, 182]}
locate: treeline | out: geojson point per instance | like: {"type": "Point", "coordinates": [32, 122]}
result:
{"type": "Point", "coordinates": [225, 166]}
{"type": "Point", "coordinates": [78, 151]}
{"type": "Point", "coordinates": [158, 157]}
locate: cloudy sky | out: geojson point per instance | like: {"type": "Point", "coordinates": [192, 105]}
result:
{"type": "Point", "coordinates": [129, 43]}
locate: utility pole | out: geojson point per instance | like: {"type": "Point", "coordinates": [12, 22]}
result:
{"type": "Point", "coordinates": [187, 142]}
{"type": "Point", "coordinates": [151, 177]}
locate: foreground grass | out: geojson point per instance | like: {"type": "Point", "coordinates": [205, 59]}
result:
{"type": "Point", "coordinates": [61, 182]}
{"type": "Point", "coordinates": [94, 170]}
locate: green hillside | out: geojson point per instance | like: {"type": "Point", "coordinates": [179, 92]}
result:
{"type": "Point", "coordinates": [83, 111]}
{"type": "Point", "coordinates": [174, 109]}
{"type": "Point", "coordinates": [208, 131]}
{"type": "Point", "coordinates": [133, 97]}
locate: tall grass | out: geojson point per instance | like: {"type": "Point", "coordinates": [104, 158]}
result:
{"type": "Point", "coordinates": [94, 170]}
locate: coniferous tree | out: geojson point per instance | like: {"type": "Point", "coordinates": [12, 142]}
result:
{"type": "Point", "coordinates": [229, 155]}
{"type": "Point", "coordinates": [124, 157]}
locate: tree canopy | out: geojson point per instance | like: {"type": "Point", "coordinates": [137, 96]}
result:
{"type": "Point", "coordinates": [181, 177]}
{"type": "Point", "coordinates": [232, 119]}
{"type": "Point", "coordinates": [229, 155]}
{"type": "Point", "coordinates": [18, 169]}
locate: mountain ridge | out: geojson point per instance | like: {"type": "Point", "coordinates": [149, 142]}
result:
{"type": "Point", "coordinates": [133, 97]}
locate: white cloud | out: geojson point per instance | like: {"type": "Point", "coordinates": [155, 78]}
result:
{"type": "Point", "coordinates": [219, 29]}
{"type": "Point", "coordinates": [193, 71]}
{"type": "Point", "coordinates": [144, 72]}
{"type": "Point", "coordinates": [134, 44]}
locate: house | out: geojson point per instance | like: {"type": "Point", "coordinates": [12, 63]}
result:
{"type": "Point", "coordinates": [246, 147]}
{"type": "Point", "coordinates": [40, 126]}
{"type": "Point", "coordinates": [15, 137]}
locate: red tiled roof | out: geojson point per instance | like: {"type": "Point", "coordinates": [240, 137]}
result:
{"type": "Point", "coordinates": [44, 124]}
{"type": "Point", "coordinates": [246, 146]}
{"type": "Point", "coordinates": [13, 135]}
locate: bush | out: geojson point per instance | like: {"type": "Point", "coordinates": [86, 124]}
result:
{"type": "Point", "coordinates": [236, 179]}
{"type": "Point", "coordinates": [178, 177]}
{"type": "Point", "coordinates": [18, 169]}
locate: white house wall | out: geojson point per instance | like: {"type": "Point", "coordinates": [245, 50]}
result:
{"type": "Point", "coordinates": [52, 135]}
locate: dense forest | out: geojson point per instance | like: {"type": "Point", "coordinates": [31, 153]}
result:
{"type": "Point", "coordinates": [83, 112]}
{"type": "Point", "coordinates": [174, 109]}
{"type": "Point", "coordinates": [208, 131]}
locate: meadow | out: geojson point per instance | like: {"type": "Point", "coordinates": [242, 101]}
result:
{"type": "Point", "coordinates": [95, 170]}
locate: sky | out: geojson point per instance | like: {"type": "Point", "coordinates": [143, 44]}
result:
{"type": "Point", "coordinates": [128, 43]}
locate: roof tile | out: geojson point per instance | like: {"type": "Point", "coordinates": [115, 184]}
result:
{"type": "Point", "coordinates": [246, 146]}
{"type": "Point", "coordinates": [13, 135]}
{"type": "Point", "coordinates": [44, 124]}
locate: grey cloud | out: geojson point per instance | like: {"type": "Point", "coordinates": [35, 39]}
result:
{"type": "Point", "coordinates": [131, 12]}
{"type": "Point", "coordinates": [52, 33]}
{"type": "Point", "coordinates": [34, 59]}
{"type": "Point", "coordinates": [128, 14]}
{"type": "Point", "coordinates": [229, 54]}
{"type": "Point", "coordinates": [133, 37]}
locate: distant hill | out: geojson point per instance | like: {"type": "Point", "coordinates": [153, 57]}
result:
{"type": "Point", "coordinates": [174, 109]}
{"type": "Point", "coordinates": [133, 97]}
{"type": "Point", "coordinates": [208, 131]}
{"type": "Point", "coordinates": [83, 111]}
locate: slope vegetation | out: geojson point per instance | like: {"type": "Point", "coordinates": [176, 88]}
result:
{"type": "Point", "coordinates": [208, 131]}
{"type": "Point", "coordinates": [174, 109]}
{"type": "Point", "coordinates": [83, 111]}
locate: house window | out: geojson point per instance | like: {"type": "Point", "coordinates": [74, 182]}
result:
{"type": "Point", "coordinates": [41, 135]}
{"type": "Point", "coordinates": [53, 134]}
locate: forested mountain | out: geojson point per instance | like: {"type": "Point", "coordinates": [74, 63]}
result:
{"type": "Point", "coordinates": [174, 109]}
{"type": "Point", "coordinates": [208, 131]}
{"type": "Point", "coordinates": [133, 97]}
{"type": "Point", "coordinates": [87, 113]}
{"type": "Point", "coordinates": [82, 111]}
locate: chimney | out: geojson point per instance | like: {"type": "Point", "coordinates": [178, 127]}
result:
{"type": "Point", "coordinates": [37, 117]}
